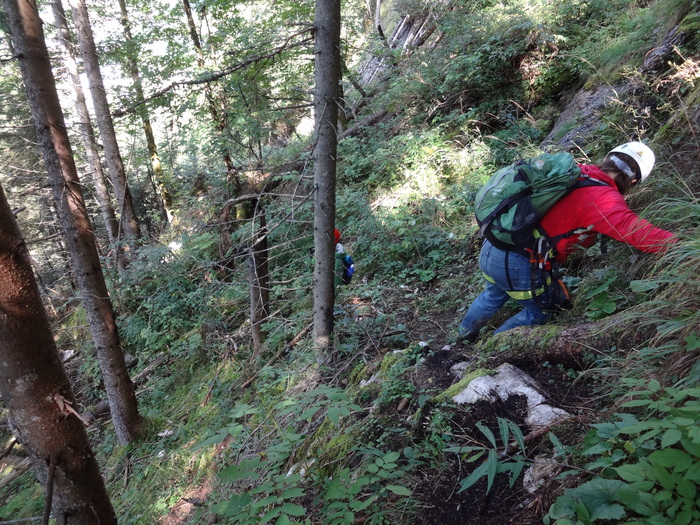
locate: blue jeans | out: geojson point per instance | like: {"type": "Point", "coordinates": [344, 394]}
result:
{"type": "Point", "coordinates": [510, 271]}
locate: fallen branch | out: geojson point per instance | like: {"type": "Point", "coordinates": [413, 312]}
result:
{"type": "Point", "coordinates": [102, 408]}
{"type": "Point", "coordinates": [364, 123]}
{"type": "Point", "coordinates": [571, 345]}
{"type": "Point", "coordinates": [49, 491]}
{"type": "Point", "coordinates": [537, 433]}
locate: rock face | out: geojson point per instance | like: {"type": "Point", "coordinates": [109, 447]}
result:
{"type": "Point", "coordinates": [579, 122]}
{"type": "Point", "coordinates": [511, 381]}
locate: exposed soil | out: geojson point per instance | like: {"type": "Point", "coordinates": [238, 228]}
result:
{"type": "Point", "coordinates": [503, 503]}
{"type": "Point", "coordinates": [442, 502]}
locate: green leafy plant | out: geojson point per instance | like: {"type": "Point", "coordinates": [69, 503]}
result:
{"type": "Point", "coordinates": [496, 461]}
{"type": "Point", "coordinates": [603, 299]}
{"type": "Point", "coordinates": [351, 492]}
{"type": "Point", "coordinates": [270, 499]}
{"type": "Point", "coordinates": [265, 489]}
{"type": "Point", "coordinates": [649, 469]}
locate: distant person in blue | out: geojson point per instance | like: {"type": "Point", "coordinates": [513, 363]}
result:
{"type": "Point", "coordinates": [344, 265]}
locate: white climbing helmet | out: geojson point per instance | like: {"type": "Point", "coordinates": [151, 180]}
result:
{"type": "Point", "coordinates": [640, 153]}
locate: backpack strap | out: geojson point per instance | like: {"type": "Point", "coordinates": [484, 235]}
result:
{"type": "Point", "coordinates": [542, 253]}
{"type": "Point", "coordinates": [586, 181]}
{"type": "Point", "coordinates": [543, 241]}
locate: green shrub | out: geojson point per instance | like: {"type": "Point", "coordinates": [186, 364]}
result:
{"type": "Point", "coordinates": [648, 465]}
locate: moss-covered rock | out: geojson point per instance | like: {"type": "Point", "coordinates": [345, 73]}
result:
{"type": "Point", "coordinates": [462, 384]}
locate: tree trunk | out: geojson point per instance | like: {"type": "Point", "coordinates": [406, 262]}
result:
{"type": "Point", "coordinates": [220, 121]}
{"type": "Point", "coordinates": [51, 131]}
{"type": "Point", "coordinates": [165, 200]}
{"type": "Point", "coordinates": [115, 165]}
{"type": "Point", "coordinates": [88, 134]}
{"type": "Point", "coordinates": [259, 285]}
{"type": "Point", "coordinates": [326, 99]}
{"type": "Point", "coordinates": [34, 386]}
{"type": "Point", "coordinates": [410, 32]}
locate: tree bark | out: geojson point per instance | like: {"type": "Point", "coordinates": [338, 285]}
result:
{"type": "Point", "coordinates": [259, 285]}
{"type": "Point", "coordinates": [128, 222]}
{"type": "Point", "coordinates": [571, 346]}
{"type": "Point", "coordinates": [411, 32]}
{"type": "Point", "coordinates": [28, 38]}
{"type": "Point", "coordinates": [326, 99]}
{"type": "Point", "coordinates": [164, 200]}
{"type": "Point", "coordinates": [88, 134]}
{"type": "Point", "coordinates": [34, 386]}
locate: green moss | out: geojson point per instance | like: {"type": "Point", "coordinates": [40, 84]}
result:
{"type": "Point", "coordinates": [529, 338]}
{"type": "Point", "coordinates": [328, 444]}
{"type": "Point", "coordinates": [690, 26]}
{"type": "Point", "coordinates": [462, 384]}
{"type": "Point", "coordinates": [390, 360]}
{"type": "Point", "coordinates": [357, 373]}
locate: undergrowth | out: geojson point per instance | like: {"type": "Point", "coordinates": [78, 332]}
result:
{"type": "Point", "coordinates": [292, 443]}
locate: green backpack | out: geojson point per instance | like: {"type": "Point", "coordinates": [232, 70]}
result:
{"type": "Point", "coordinates": [509, 206]}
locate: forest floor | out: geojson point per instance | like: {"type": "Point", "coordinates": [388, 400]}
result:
{"type": "Point", "coordinates": [436, 489]}
{"type": "Point", "coordinates": [442, 502]}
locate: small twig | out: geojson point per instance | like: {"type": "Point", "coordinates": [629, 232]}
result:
{"type": "Point", "coordinates": [66, 408]}
{"type": "Point", "coordinates": [538, 432]}
{"type": "Point", "coordinates": [126, 472]}
{"type": "Point", "coordinates": [49, 490]}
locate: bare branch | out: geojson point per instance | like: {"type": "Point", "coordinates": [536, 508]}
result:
{"type": "Point", "coordinates": [220, 74]}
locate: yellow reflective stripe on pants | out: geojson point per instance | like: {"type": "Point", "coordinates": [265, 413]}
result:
{"type": "Point", "coordinates": [526, 294]}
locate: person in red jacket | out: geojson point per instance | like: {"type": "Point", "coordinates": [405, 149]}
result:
{"type": "Point", "coordinates": [590, 210]}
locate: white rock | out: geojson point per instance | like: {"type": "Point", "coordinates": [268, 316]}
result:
{"type": "Point", "coordinates": [541, 470]}
{"type": "Point", "coordinates": [458, 369]}
{"type": "Point", "coordinates": [509, 381]}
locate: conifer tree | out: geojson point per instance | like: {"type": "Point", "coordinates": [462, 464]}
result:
{"type": "Point", "coordinates": [40, 86]}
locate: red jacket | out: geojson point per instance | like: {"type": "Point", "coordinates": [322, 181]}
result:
{"type": "Point", "coordinates": [605, 209]}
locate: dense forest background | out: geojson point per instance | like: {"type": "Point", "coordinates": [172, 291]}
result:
{"type": "Point", "coordinates": [212, 286]}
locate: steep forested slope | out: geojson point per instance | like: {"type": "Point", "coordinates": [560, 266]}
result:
{"type": "Point", "coordinates": [374, 434]}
